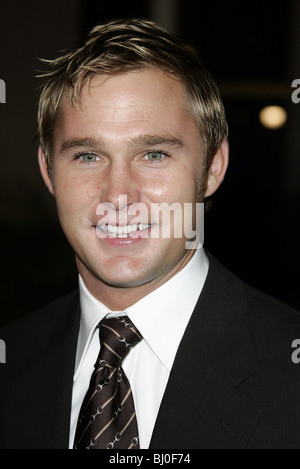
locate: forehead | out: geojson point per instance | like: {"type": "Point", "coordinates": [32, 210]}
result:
{"type": "Point", "coordinates": [144, 101]}
{"type": "Point", "coordinates": [140, 90]}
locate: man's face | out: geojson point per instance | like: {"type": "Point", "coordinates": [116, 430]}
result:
{"type": "Point", "coordinates": [130, 144]}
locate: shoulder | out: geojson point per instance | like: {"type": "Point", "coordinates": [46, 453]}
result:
{"type": "Point", "coordinates": [231, 287]}
{"type": "Point", "coordinates": [48, 323]}
{"type": "Point", "coordinates": [273, 325]}
{"type": "Point", "coordinates": [47, 313]}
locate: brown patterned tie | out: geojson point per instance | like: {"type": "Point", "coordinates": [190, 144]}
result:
{"type": "Point", "coordinates": [107, 417]}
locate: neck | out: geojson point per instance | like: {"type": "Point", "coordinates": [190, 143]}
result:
{"type": "Point", "coordinates": [118, 298]}
{"type": "Point", "coordinates": [114, 298]}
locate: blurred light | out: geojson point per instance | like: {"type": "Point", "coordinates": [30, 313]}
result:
{"type": "Point", "coordinates": [273, 117]}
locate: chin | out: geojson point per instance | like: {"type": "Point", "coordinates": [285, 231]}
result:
{"type": "Point", "coordinates": [124, 278]}
{"type": "Point", "coordinates": [123, 281]}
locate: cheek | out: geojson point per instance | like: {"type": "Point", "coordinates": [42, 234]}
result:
{"type": "Point", "coordinates": [71, 182]}
{"type": "Point", "coordinates": [174, 185]}
{"type": "Point", "coordinates": [75, 195]}
{"type": "Point", "coordinates": [184, 189]}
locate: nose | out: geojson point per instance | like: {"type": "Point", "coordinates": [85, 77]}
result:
{"type": "Point", "coordinates": [119, 185]}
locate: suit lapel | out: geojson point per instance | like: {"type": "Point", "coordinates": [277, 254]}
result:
{"type": "Point", "coordinates": [58, 389]}
{"type": "Point", "coordinates": [202, 405]}
{"type": "Point", "coordinates": [40, 373]}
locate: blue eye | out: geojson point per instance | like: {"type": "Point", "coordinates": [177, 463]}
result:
{"type": "Point", "coordinates": [88, 157]}
{"type": "Point", "coordinates": [154, 155]}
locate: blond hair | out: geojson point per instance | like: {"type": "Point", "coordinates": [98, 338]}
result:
{"type": "Point", "coordinates": [124, 45]}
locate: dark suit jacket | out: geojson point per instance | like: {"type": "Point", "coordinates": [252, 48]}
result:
{"type": "Point", "coordinates": [233, 383]}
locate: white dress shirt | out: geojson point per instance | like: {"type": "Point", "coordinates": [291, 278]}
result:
{"type": "Point", "coordinates": [161, 317]}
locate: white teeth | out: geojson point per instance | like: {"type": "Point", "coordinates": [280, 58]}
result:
{"type": "Point", "coordinates": [123, 231]}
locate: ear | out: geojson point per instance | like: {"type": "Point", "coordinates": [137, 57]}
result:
{"type": "Point", "coordinates": [45, 170]}
{"type": "Point", "coordinates": [217, 169]}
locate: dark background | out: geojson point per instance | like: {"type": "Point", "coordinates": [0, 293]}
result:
{"type": "Point", "coordinates": [253, 51]}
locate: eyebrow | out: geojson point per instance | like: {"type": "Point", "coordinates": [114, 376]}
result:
{"type": "Point", "coordinates": [152, 140]}
{"type": "Point", "coordinates": [140, 140]}
{"type": "Point", "coordinates": [79, 142]}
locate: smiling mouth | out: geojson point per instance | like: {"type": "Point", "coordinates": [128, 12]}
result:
{"type": "Point", "coordinates": [125, 231]}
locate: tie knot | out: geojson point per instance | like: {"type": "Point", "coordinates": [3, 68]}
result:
{"type": "Point", "coordinates": [117, 337]}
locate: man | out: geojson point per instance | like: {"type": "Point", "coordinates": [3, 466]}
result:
{"type": "Point", "coordinates": [128, 122]}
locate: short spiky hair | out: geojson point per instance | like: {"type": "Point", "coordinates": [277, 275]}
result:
{"type": "Point", "coordinates": [120, 46]}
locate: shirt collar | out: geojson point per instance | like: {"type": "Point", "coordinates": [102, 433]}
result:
{"type": "Point", "coordinates": [161, 317]}
{"type": "Point", "coordinates": [92, 312]}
